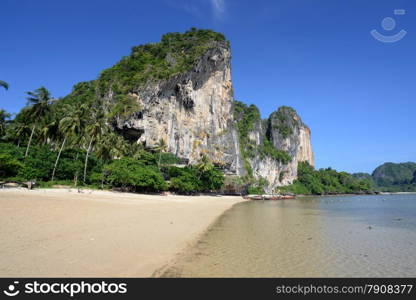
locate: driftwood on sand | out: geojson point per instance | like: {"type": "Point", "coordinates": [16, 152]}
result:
{"type": "Point", "coordinates": [13, 183]}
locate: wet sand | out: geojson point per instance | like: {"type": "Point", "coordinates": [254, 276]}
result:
{"type": "Point", "coordinates": [63, 233]}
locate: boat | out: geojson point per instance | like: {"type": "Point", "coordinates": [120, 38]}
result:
{"type": "Point", "coordinates": [270, 197]}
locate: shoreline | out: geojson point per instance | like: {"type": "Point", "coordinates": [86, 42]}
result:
{"type": "Point", "coordinates": [177, 258]}
{"type": "Point", "coordinates": [64, 233]}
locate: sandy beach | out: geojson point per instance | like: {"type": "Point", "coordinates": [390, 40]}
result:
{"type": "Point", "coordinates": [64, 233]}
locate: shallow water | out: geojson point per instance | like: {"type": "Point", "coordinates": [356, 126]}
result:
{"type": "Point", "coordinates": [340, 236]}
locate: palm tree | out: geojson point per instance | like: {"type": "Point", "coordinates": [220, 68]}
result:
{"type": "Point", "coordinates": [160, 147]}
{"type": "Point", "coordinates": [69, 126]}
{"type": "Point", "coordinates": [18, 130]}
{"type": "Point", "coordinates": [38, 102]}
{"type": "Point", "coordinates": [49, 131]}
{"type": "Point", "coordinates": [4, 115]}
{"type": "Point", "coordinates": [94, 130]}
{"type": "Point", "coordinates": [4, 84]}
{"type": "Point", "coordinates": [109, 146]}
{"type": "Point", "coordinates": [204, 164]}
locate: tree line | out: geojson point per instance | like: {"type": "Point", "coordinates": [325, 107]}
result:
{"type": "Point", "coordinates": [71, 142]}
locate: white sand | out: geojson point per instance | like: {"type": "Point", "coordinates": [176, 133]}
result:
{"type": "Point", "coordinates": [60, 232]}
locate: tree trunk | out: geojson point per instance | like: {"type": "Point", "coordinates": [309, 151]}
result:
{"type": "Point", "coordinates": [86, 160]}
{"type": "Point", "coordinates": [30, 140]}
{"type": "Point", "coordinates": [160, 156]}
{"type": "Point", "coordinates": [57, 159]}
{"type": "Point", "coordinates": [76, 173]}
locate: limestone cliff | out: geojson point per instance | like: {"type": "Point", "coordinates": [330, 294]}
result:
{"type": "Point", "coordinates": [184, 89]}
{"type": "Point", "coordinates": [191, 112]}
{"type": "Point", "coordinates": [285, 131]}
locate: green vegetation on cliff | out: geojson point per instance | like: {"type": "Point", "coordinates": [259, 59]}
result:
{"type": "Point", "coordinates": [326, 181]}
{"type": "Point", "coordinates": [284, 120]}
{"type": "Point", "coordinates": [247, 117]}
{"type": "Point", "coordinates": [267, 149]}
{"type": "Point", "coordinates": [174, 54]}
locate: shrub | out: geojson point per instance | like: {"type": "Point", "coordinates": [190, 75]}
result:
{"type": "Point", "coordinates": [184, 180]}
{"type": "Point", "coordinates": [130, 173]}
{"type": "Point", "coordinates": [9, 166]}
{"type": "Point", "coordinates": [212, 180]}
{"type": "Point", "coordinates": [71, 163]}
{"type": "Point", "coordinates": [326, 181]}
{"type": "Point", "coordinates": [38, 165]}
{"type": "Point", "coordinates": [186, 184]}
{"type": "Point", "coordinates": [257, 187]}
{"type": "Point", "coordinates": [167, 158]}
{"type": "Point", "coordinates": [255, 190]}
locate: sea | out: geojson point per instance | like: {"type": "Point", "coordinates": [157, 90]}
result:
{"type": "Point", "coordinates": [325, 236]}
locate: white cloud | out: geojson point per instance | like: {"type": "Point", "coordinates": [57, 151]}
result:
{"type": "Point", "coordinates": [198, 8]}
{"type": "Point", "coordinates": [218, 7]}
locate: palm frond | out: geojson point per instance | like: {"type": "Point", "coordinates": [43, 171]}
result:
{"type": "Point", "coordinates": [4, 84]}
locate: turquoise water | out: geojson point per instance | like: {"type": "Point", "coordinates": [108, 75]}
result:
{"type": "Point", "coordinates": [340, 236]}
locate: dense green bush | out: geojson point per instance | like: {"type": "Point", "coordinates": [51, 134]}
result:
{"type": "Point", "coordinates": [212, 180]}
{"type": "Point", "coordinates": [9, 165]}
{"type": "Point", "coordinates": [255, 190]}
{"type": "Point", "coordinates": [257, 187]}
{"type": "Point", "coordinates": [186, 182]}
{"type": "Point", "coordinates": [10, 160]}
{"type": "Point", "coordinates": [326, 181]}
{"type": "Point", "coordinates": [38, 165]}
{"type": "Point", "coordinates": [167, 158]}
{"type": "Point", "coordinates": [129, 173]}
{"type": "Point", "coordinates": [190, 179]}
{"type": "Point", "coordinates": [71, 164]}
{"type": "Point", "coordinates": [146, 158]}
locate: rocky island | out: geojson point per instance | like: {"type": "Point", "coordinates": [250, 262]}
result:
{"type": "Point", "coordinates": [185, 97]}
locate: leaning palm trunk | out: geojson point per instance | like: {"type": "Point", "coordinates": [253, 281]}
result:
{"type": "Point", "coordinates": [76, 173]}
{"type": "Point", "coordinates": [160, 156]}
{"type": "Point", "coordinates": [86, 160]}
{"type": "Point", "coordinates": [57, 159]}
{"type": "Point", "coordinates": [30, 140]}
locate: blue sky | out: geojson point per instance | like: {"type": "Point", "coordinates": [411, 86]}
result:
{"type": "Point", "coordinates": [356, 94]}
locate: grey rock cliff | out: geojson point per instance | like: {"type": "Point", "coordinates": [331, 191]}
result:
{"type": "Point", "coordinates": [193, 113]}
{"type": "Point", "coordinates": [287, 132]}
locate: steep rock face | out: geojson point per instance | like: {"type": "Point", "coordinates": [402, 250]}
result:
{"type": "Point", "coordinates": [286, 132]}
{"type": "Point", "coordinates": [191, 112]}
{"type": "Point", "coordinates": [194, 113]}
